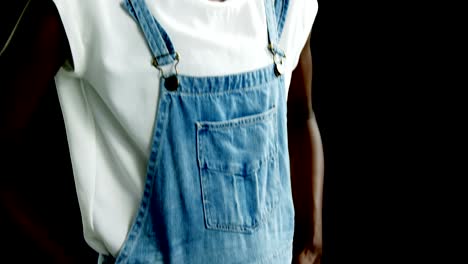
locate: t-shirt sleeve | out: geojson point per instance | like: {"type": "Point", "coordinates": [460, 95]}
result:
{"type": "Point", "coordinates": [73, 16]}
{"type": "Point", "coordinates": [298, 25]}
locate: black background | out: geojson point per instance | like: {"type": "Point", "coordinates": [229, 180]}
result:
{"type": "Point", "coordinates": [40, 220]}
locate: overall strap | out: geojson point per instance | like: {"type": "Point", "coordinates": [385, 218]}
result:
{"type": "Point", "coordinates": [159, 42]}
{"type": "Point", "coordinates": [281, 10]}
{"type": "Point", "coordinates": [275, 18]}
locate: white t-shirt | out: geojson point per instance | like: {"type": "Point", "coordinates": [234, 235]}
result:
{"type": "Point", "coordinates": [109, 99]}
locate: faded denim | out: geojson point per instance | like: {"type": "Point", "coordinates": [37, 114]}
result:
{"type": "Point", "coordinates": [218, 182]}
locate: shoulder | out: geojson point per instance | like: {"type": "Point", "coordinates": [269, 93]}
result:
{"type": "Point", "coordinates": [83, 22]}
{"type": "Point", "coordinates": [300, 17]}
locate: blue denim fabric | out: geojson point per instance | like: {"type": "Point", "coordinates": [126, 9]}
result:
{"type": "Point", "coordinates": [218, 182]}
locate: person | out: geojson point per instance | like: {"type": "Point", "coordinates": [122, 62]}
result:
{"type": "Point", "coordinates": [189, 123]}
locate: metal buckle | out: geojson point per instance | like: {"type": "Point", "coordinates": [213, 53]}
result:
{"type": "Point", "coordinates": [279, 66]}
{"type": "Point", "coordinates": [278, 57]}
{"type": "Point", "coordinates": [171, 82]}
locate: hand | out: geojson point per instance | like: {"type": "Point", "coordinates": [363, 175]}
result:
{"type": "Point", "coordinates": [307, 256]}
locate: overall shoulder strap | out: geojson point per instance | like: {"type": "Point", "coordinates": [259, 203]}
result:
{"type": "Point", "coordinates": [159, 42]}
{"type": "Point", "coordinates": [281, 10]}
{"type": "Point", "coordinates": [275, 17]}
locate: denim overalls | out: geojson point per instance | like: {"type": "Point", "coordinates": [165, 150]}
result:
{"type": "Point", "coordinates": [218, 182]}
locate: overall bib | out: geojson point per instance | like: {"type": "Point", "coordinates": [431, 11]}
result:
{"type": "Point", "coordinates": [218, 182]}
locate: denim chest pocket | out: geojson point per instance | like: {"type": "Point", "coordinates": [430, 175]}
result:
{"type": "Point", "coordinates": [239, 171]}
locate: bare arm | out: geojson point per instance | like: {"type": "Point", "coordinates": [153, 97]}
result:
{"type": "Point", "coordinates": [306, 154]}
{"type": "Point", "coordinates": [37, 50]}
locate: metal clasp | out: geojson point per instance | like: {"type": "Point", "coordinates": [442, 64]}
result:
{"type": "Point", "coordinates": [171, 82]}
{"type": "Point", "coordinates": [278, 59]}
